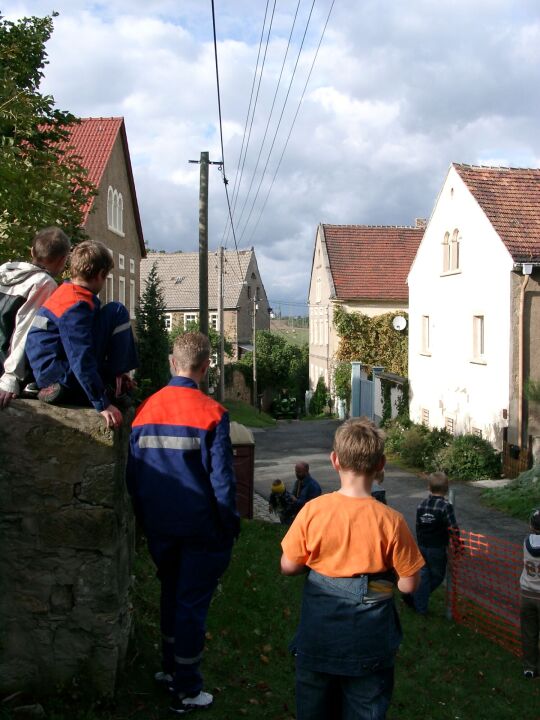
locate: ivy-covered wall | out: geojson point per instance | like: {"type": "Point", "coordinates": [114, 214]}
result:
{"type": "Point", "coordinates": [372, 340]}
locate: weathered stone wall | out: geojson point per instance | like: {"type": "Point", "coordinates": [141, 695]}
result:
{"type": "Point", "coordinates": [66, 548]}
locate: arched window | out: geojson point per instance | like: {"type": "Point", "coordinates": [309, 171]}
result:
{"type": "Point", "coordinates": [446, 252]}
{"type": "Point", "coordinates": [110, 207]}
{"type": "Point", "coordinates": [454, 251]}
{"type": "Point", "coordinates": [115, 211]}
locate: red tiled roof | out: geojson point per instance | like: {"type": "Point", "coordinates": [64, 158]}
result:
{"type": "Point", "coordinates": [510, 198]}
{"type": "Point", "coordinates": [371, 262]}
{"type": "Point", "coordinates": [92, 140]}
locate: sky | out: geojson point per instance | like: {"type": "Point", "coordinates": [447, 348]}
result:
{"type": "Point", "coordinates": [398, 91]}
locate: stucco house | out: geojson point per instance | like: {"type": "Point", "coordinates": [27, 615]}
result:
{"type": "Point", "coordinates": [474, 292]}
{"type": "Point", "coordinates": [112, 216]}
{"type": "Point", "coordinates": [364, 269]}
{"type": "Point", "coordinates": [243, 290]}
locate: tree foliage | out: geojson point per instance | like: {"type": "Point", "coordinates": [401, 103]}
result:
{"type": "Point", "coordinates": [41, 182]}
{"type": "Point", "coordinates": [320, 398]}
{"type": "Point", "coordinates": [372, 340]}
{"type": "Point", "coordinates": [280, 365]}
{"type": "Point", "coordinates": [152, 337]}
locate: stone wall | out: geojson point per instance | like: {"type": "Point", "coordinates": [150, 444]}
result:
{"type": "Point", "coordinates": [66, 549]}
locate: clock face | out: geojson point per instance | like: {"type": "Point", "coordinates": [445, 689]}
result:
{"type": "Point", "coordinates": [399, 322]}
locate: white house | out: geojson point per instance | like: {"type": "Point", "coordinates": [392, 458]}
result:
{"type": "Point", "coordinates": [474, 306]}
{"type": "Point", "coordinates": [362, 268]}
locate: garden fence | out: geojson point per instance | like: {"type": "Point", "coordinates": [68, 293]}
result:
{"type": "Point", "coordinates": [483, 586]}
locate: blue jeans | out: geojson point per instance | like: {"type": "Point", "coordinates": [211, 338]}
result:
{"type": "Point", "coordinates": [189, 571]}
{"type": "Point", "coordinates": [321, 696]}
{"type": "Point", "coordinates": [431, 576]}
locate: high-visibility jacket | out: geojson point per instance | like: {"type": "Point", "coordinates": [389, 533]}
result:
{"type": "Point", "coordinates": [62, 341]}
{"type": "Point", "coordinates": [180, 465]}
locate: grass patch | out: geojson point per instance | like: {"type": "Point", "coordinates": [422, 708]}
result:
{"type": "Point", "coordinates": [519, 497]}
{"type": "Point", "coordinates": [443, 671]}
{"type": "Point", "coordinates": [248, 415]}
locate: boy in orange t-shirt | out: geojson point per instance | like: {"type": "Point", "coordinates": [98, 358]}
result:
{"type": "Point", "coordinates": [354, 549]}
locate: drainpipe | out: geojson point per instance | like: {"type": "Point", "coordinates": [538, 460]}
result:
{"type": "Point", "coordinates": [527, 270]}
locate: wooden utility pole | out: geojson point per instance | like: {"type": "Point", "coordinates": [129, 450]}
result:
{"type": "Point", "coordinates": [221, 329]}
{"type": "Point", "coordinates": [203, 244]}
{"type": "Point", "coordinates": [255, 404]}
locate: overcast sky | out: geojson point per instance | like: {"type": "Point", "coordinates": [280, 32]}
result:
{"type": "Point", "coordinates": [398, 92]}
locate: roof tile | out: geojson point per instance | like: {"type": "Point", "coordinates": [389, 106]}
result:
{"type": "Point", "coordinates": [371, 262]}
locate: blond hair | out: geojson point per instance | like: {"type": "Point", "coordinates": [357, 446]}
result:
{"type": "Point", "coordinates": [438, 483]}
{"type": "Point", "coordinates": [50, 244]}
{"type": "Point", "coordinates": [191, 350]}
{"type": "Point", "coordinates": [89, 259]}
{"type": "Point", "coordinates": [359, 445]}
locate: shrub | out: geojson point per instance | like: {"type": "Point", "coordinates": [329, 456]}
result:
{"type": "Point", "coordinates": [320, 398]}
{"type": "Point", "coordinates": [395, 432]}
{"type": "Point", "coordinates": [469, 458]}
{"type": "Point", "coordinates": [416, 444]}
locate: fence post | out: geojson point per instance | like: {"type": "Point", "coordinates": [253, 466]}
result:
{"type": "Point", "coordinates": [356, 368]}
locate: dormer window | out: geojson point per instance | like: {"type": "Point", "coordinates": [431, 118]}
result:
{"type": "Point", "coordinates": [115, 211]}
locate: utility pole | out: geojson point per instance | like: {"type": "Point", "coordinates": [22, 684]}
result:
{"type": "Point", "coordinates": [203, 246]}
{"type": "Point", "coordinates": [255, 350]}
{"type": "Point", "coordinates": [221, 329]}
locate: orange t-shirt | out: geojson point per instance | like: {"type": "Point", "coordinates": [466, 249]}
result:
{"type": "Point", "coordinates": [342, 536]}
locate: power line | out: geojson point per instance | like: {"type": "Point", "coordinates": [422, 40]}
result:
{"type": "Point", "coordinates": [225, 181]}
{"type": "Point", "coordinates": [292, 125]}
{"type": "Point", "coordinates": [236, 175]}
{"type": "Point", "coordinates": [279, 121]}
{"type": "Point", "coordinates": [254, 173]}
{"type": "Point", "coordinates": [235, 199]}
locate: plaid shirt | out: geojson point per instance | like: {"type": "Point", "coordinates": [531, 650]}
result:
{"type": "Point", "coordinates": [434, 517]}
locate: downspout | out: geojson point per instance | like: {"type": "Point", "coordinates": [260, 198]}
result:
{"type": "Point", "coordinates": [527, 270]}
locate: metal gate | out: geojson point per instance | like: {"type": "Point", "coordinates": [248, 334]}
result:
{"type": "Point", "coordinates": [363, 393]}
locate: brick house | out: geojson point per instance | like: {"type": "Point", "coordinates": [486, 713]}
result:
{"type": "Point", "coordinates": [362, 268]}
{"type": "Point", "coordinates": [242, 289]}
{"type": "Point", "coordinates": [474, 289]}
{"type": "Point", "coordinates": [112, 216]}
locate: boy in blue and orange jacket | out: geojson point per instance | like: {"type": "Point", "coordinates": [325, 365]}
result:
{"type": "Point", "coordinates": [76, 348]}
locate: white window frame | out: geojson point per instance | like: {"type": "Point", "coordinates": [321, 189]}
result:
{"type": "Point", "coordinates": [213, 320]}
{"type": "Point", "coordinates": [132, 266]}
{"type": "Point", "coordinates": [446, 252]}
{"type": "Point", "coordinates": [190, 317]}
{"type": "Point", "coordinates": [122, 289]}
{"type": "Point", "coordinates": [479, 338]}
{"type": "Point", "coordinates": [425, 347]}
{"type": "Point", "coordinates": [109, 287]}
{"type": "Point", "coordinates": [454, 251]}
{"type": "Point", "coordinates": [121, 262]}
{"type": "Point", "coordinates": [132, 299]}
{"type": "Point", "coordinates": [168, 321]}
{"type": "Point", "coordinates": [115, 211]}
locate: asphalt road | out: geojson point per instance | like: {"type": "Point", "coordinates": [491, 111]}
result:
{"type": "Point", "coordinates": [277, 450]}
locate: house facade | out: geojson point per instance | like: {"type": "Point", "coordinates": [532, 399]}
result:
{"type": "Point", "coordinates": [362, 269]}
{"type": "Point", "coordinates": [112, 216]}
{"type": "Point", "coordinates": [474, 291]}
{"type": "Point", "coordinates": [243, 293]}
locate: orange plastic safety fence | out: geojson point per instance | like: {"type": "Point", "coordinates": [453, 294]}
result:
{"type": "Point", "coordinates": [483, 586]}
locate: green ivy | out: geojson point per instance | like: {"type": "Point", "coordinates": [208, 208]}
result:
{"type": "Point", "coordinates": [386, 387]}
{"type": "Point", "coordinates": [342, 381]}
{"type": "Point", "coordinates": [372, 340]}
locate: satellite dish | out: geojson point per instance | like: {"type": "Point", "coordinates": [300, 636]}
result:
{"type": "Point", "coordinates": [399, 323]}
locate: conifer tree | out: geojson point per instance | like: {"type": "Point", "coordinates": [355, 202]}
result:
{"type": "Point", "coordinates": [152, 338]}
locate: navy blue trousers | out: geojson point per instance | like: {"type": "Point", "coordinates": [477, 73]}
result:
{"type": "Point", "coordinates": [322, 696]}
{"type": "Point", "coordinates": [189, 570]}
{"type": "Point", "coordinates": [431, 576]}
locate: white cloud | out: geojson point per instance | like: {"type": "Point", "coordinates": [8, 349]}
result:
{"type": "Point", "coordinates": [398, 92]}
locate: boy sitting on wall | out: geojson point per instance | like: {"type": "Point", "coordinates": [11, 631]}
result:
{"type": "Point", "coordinates": [79, 351]}
{"type": "Point", "coordinates": [24, 287]}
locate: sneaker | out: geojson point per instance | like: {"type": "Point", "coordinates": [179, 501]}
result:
{"type": "Point", "coordinates": [184, 703]}
{"type": "Point", "coordinates": [30, 391]}
{"type": "Point", "coordinates": [529, 674]}
{"type": "Point", "coordinates": [52, 394]}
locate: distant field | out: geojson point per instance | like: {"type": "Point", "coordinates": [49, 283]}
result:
{"type": "Point", "coordinates": [294, 335]}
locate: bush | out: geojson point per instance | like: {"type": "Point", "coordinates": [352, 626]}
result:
{"type": "Point", "coordinates": [469, 458]}
{"type": "Point", "coordinates": [395, 432]}
{"type": "Point", "coordinates": [416, 444]}
{"type": "Point", "coordinates": [320, 398]}
{"type": "Point", "coordinates": [519, 497]}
